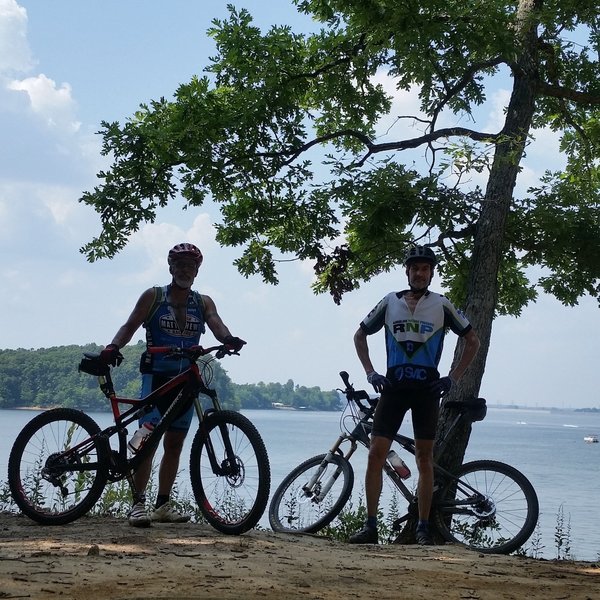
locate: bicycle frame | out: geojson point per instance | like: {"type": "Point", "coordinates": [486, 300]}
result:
{"type": "Point", "coordinates": [191, 384]}
{"type": "Point", "coordinates": [360, 434]}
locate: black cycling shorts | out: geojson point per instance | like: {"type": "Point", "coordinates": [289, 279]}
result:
{"type": "Point", "coordinates": [395, 403]}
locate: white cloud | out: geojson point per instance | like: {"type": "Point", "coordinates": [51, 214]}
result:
{"type": "Point", "coordinates": [55, 105]}
{"type": "Point", "coordinates": [15, 54]}
{"type": "Point", "coordinates": [149, 245]}
{"type": "Point", "coordinates": [46, 212]}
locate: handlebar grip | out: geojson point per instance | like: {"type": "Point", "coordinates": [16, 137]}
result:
{"type": "Point", "coordinates": [160, 349]}
{"type": "Point", "coordinates": [345, 378]}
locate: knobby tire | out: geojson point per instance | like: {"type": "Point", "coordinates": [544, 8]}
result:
{"type": "Point", "coordinates": [231, 502]}
{"type": "Point", "coordinates": [39, 483]}
{"type": "Point", "coordinates": [295, 509]}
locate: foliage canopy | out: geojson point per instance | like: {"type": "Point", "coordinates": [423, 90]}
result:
{"type": "Point", "coordinates": [298, 140]}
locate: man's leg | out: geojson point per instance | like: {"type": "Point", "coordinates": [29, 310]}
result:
{"type": "Point", "coordinates": [138, 517]}
{"type": "Point", "coordinates": [378, 450]}
{"type": "Point", "coordinates": [424, 460]}
{"type": "Point", "coordinates": [169, 465]}
{"type": "Point", "coordinates": [141, 478]}
{"type": "Point", "coordinates": [373, 482]}
{"type": "Point", "coordinates": [167, 472]}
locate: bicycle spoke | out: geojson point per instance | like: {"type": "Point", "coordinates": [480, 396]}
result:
{"type": "Point", "coordinates": [499, 517]}
{"type": "Point", "coordinates": [312, 495]}
{"type": "Point", "coordinates": [233, 495]}
{"type": "Point", "coordinates": [54, 477]}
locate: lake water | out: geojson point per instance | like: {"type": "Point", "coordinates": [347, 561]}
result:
{"type": "Point", "coordinates": [548, 447]}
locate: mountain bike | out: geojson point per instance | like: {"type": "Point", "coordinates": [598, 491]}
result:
{"type": "Point", "coordinates": [486, 505]}
{"type": "Point", "coordinates": [61, 461]}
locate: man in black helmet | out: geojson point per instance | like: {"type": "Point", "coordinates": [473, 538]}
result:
{"type": "Point", "coordinates": [414, 321]}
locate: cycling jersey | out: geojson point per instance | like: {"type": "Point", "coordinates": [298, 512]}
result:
{"type": "Point", "coordinates": [414, 340]}
{"type": "Point", "coordinates": [162, 329]}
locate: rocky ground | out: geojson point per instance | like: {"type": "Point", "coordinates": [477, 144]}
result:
{"type": "Point", "coordinates": [97, 558]}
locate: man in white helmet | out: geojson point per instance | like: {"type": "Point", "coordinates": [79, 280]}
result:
{"type": "Point", "coordinates": [173, 315]}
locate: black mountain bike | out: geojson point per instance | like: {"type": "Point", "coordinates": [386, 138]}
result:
{"type": "Point", "coordinates": [61, 461]}
{"type": "Point", "coordinates": [486, 505]}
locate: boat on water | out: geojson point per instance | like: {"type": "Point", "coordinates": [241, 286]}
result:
{"type": "Point", "coordinates": [591, 439]}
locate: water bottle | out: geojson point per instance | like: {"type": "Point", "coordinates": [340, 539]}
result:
{"type": "Point", "coordinates": [139, 437]}
{"type": "Point", "coordinates": [398, 464]}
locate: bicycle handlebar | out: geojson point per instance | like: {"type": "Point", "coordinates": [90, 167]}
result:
{"type": "Point", "coordinates": [193, 352]}
{"type": "Point", "coordinates": [356, 396]}
{"type": "Point", "coordinates": [474, 409]}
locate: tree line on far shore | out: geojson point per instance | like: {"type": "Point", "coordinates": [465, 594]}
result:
{"type": "Point", "coordinates": [49, 377]}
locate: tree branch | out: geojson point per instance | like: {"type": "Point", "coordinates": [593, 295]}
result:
{"type": "Point", "coordinates": [558, 91]}
{"type": "Point", "coordinates": [374, 148]}
{"type": "Point", "coordinates": [463, 82]}
{"type": "Point", "coordinates": [355, 50]}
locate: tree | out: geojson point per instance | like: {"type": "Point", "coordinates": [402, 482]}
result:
{"type": "Point", "coordinates": [272, 104]}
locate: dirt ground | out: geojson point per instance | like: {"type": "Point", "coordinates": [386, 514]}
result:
{"type": "Point", "coordinates": [97, 558]}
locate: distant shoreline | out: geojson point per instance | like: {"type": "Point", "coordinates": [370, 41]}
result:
{"type": "Point", "coordinates": [546, 408]}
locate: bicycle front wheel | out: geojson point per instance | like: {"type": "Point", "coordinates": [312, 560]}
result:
{"type": "Point", "coordinates": [312, 495]}
{"type": "Point", "coordinates": [232, 493]}
{"type": "Point", "coordinates": [55, 467]}
{"type": "Point", "coordinates": [492, 508]}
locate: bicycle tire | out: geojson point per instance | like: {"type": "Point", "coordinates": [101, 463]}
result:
{"type": "Point", "coordinates": [294, 510]}
{"type": "Point", "coordinates": [57, 497]}
{"type": "Point", "coordinates": [500, 521]}
{"type": "Point", "coordinates": [232, 503]}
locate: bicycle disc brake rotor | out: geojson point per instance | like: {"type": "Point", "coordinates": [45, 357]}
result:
{"type": "Point", "coordinates": [235, 474]}
{"type": "Point", "coordinates": [310, 495]}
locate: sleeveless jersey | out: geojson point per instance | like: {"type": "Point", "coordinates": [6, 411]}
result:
{"type": "Point", "coordinates": [414, 340]}
{"type": "Point", "coordinates": [162, 329]}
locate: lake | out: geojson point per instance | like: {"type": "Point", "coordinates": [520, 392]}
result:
{"type": "Point", "coordinates": [547, 446]}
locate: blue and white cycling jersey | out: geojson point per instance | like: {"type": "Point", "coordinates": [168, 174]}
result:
{"type": "Point", "coordinates": [414, 340]}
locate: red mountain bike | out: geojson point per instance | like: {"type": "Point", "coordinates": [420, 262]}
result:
{"type": "Point", "coordinates": [61, 461]}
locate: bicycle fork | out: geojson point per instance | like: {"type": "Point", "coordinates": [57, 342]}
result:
{"type": "Point", "coordinates": [315, 488]}
{"type": "Point", "coordinates": [230, 465]}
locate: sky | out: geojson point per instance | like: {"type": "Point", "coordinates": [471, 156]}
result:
{"type": "Point", "coordinates": [65, 66]}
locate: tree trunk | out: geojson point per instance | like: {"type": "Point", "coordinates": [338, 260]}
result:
{"type": "Point", "coordinates": [489, 244]}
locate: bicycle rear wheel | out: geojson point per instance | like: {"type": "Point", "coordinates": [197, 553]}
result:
{"type": "Point", "coordinates": [55, 471]}
{"type": "Point", "coordinates": [231, 497]}
{"type": "Point", "coordinates": [499, 517]}
{"type": "Point", "coordinates": [312, 495]}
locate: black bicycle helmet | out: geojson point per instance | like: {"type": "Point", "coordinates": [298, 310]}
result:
{"type": "Point", "coordinates": [422, 253]}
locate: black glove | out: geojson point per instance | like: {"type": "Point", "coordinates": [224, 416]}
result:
{"type": "Point", "coordinates": [111, 355]}
{"type": "Point", "coordinates": [234, 343]}
{"type": "Point", "coordinates": [440, 387]}
{"type": "Point", "coordinates": [377, 381]}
